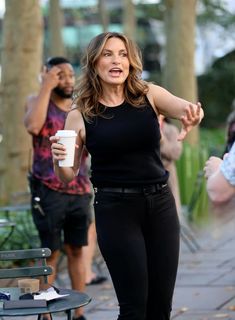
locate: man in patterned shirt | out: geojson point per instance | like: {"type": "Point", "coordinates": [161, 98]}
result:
{"type": "Point", "coordinates": [220, 176]}
{"type": "Point", "coordinates": [60, 210]}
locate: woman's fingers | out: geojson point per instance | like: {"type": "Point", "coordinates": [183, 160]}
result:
{"type": "Point", "coordinates": [192, 116]}
{"type": "Point", "coordinates": [182, 134]}
{"type": "Point", "coordinates": [198, 107]}
{"type": "Point", "coordinates": [57, 149]}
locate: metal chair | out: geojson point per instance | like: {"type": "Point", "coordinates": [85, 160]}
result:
{"type": "Point", "coordinates": [38, 269]}
{"type": "Point", "coordinates": [72, 299]}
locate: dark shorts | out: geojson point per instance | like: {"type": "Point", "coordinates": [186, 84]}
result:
{"type": "Point", "coordinates": [60, 218]}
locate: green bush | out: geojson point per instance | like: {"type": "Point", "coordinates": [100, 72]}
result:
{"type": "Point", "coordinates": [216, 90]}
{"type": "Point", "coordinates": [213, 140]}
{"type": "Point", "coordinates": [24, 235]}
{"type": "Point", "coordinates": [191, 176]}
{"type": "Point", "coordinates": [192, 183]}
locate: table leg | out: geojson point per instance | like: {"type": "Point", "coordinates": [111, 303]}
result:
{"type": "Point", "coordinates": [40, 316]}
{"type": "Point", "coordinates": [69, 314]}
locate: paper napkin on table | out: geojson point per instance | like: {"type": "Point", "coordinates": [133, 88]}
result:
{"type": "Point", "coordinates": [49, 294]}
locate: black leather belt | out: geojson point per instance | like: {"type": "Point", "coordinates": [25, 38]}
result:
{"type": "Point", "coordinates": [152, 188]}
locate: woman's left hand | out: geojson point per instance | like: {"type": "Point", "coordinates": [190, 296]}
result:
{"type": "Point", "coordinates": [192, 117]}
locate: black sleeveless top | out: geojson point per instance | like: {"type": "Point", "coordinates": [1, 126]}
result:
{"type": "Point", "coordinates": [124, 143]}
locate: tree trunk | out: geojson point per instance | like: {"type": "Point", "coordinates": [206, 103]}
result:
{"type": "Point", "coordinates": [21, 63]}
{"type": "Point", "coordinates": [129, 19]}
{"type": "Point", "coordinates": [179, 73]}
{"type": "Point", "coordinates": [104, 15]}
{"type": "Point", "coordinates": [56, 45]}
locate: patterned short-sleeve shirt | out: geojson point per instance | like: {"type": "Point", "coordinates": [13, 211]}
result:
{"type": "Point", "coordinates": [228, 166]}
{"type": "Point", "coordinates": [42, 158]}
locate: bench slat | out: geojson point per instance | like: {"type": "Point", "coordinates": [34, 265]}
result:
{"type": "Point", "coordinates": [25, 272]}
{"type": "Point", "coordinates": [25, 254]}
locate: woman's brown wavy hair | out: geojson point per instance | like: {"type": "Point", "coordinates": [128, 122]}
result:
{"type": "Point", "coordinates": [88, 89]}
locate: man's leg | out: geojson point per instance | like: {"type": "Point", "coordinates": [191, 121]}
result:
{"type": "Point", "coordinates": [76, 268]}
{"type": "Point", "coordinates": [75, 237]}
{"type": "Point", "coordinates": [89, 251]}
{"type": "Point", "coordinates": [52, 261]}
{"type": "Point", "coordinates": [49, 220]}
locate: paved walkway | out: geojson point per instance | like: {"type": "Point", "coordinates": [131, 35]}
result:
{"type": "Point", "coordinates": [205, 287]}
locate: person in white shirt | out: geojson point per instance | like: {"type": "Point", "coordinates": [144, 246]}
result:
{"type": "Point", "coordinates": [220, 175]}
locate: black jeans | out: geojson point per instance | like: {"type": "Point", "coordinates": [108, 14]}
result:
{"type": "Point", "coordinates": [138, 235]}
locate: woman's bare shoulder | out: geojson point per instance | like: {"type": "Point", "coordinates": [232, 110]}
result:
{"type": "Point", "coordinates": [153, 94]}
{"type": "Point", "coordinates": [75, 119]}
{"type": "Point", "coordinates": [74, 113]}
{"type": "Point", "coordinates": [155, 90]}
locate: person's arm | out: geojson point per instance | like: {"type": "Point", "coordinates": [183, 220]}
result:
{"type": "Point", "coordinates": [228, 166]}
{"type": "Point", "coordinates": [37, 106]}
{"type": "Point", "coordinates": [171, 106]}
{"type": "Point", "coordinates": [219, 188]}
{"type": "Point", "coordinates": [171, 148]}
{"type": "Point", "coordinates": [75, 122]}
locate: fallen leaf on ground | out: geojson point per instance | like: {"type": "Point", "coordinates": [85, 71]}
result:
{"type": "Point", "coordinates": [184, 309]}
{"type": "Point", "coordinates": [221, 315]}
{"type": "Point", "coordinates": [232, 308]}
{"type": "Point", "coordinates": [104, 298]}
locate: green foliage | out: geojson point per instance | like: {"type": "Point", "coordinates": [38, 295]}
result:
{"type": "Point", "coordinates": [213, 140]}
{"type": "Point", "coordinates": [216, 91]}
{"type": "Point", "coordinates": [216, 12]}
{"type": "Point", "coordinates": [24, 236]}
{"type": "Point", "coordinates": [192, 183]}
{"type": "Point", "coordinates": [152, 11]}
{"type": "Point", "coordinates": [191, 176]}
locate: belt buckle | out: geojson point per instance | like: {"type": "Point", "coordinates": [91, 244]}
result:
{"type": "Point", "coordinates": [148, 189]}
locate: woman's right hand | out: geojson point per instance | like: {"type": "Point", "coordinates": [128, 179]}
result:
{"type": "Point", "coordinates": [57, 149]}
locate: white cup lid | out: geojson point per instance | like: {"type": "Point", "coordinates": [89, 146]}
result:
{"type": "Point", "coordinates": [66, 133]}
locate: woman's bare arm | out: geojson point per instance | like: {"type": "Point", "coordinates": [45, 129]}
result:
{"type": "Point", "coordinates": [190, 114]}
{"type": "Point", "coordinates": [75, 122]}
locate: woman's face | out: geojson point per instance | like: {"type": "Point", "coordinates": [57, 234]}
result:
{"type": "Point", "coordinates": [113, 64]}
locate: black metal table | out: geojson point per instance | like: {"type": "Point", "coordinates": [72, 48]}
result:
{"type": "Point", "coordinates": [74, 300]}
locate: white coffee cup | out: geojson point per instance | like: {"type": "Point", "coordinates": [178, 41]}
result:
{"type": "Point", "coordinates": [68, 139]}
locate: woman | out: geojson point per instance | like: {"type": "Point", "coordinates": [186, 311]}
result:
{"type": "Point", "coordinates": [136, 219]}
{"type": "Point", "coordinates": [220, 175]}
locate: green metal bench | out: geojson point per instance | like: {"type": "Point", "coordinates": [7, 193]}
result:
{"type": "Point", "coordinates": [39, 269]}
